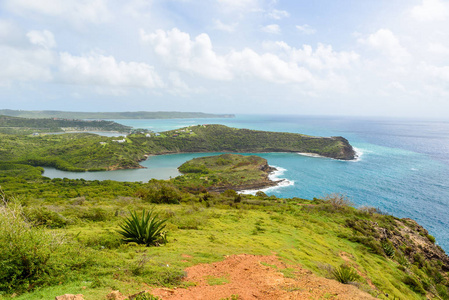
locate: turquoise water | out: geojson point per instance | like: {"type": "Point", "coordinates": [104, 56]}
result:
{"type": "Point", "coordinates": [403, 168]}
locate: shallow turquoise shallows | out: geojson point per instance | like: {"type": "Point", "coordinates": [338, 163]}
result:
{"type": "Point", "coordinates": [403, 167]}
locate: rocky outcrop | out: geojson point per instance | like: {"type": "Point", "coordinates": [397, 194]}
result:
{"type": "Point", "coordinates": [407, 237]}
{"type": "Point", "coordinates": [346, 151]}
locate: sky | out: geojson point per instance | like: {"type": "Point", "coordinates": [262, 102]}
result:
{"type": "Point", "coordinates": [323, 57]}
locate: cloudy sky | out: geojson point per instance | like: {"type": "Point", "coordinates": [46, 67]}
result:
{"type": "Point", "coordinates": [324, 57]}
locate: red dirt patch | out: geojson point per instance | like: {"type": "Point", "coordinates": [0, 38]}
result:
{"type": "Point", "coordinates": [258, 277]}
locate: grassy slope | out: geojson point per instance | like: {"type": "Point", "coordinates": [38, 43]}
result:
{"type": "Point", "coordinates": [207, 235]}
{"type": "Point", "coordinates": [205, 226]}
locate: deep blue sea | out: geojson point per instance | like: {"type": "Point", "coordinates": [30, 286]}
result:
{"type": "Point", "coordinates": [403, 168]}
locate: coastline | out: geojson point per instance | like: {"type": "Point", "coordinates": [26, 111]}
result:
{"type": "Point", "coordinates": [273, 176]}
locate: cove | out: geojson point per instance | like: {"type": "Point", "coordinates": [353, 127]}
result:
{"type": "Point", "coordinates": [158, 167]}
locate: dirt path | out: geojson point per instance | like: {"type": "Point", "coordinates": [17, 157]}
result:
{"type": "Point", "coordinates": [257, 277]}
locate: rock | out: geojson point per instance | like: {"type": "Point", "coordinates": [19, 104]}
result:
{"type": "Point", "coordinates": [70, 297]}
{"type": "Point", "coordinates": [116, 295]}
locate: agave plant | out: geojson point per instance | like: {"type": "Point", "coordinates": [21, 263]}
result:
{"type": "Point", "coordinates": [144, 230]}
{"type": "Point", "coordinates": [388, 248]}
{"type": "Point", "coordinates": [345, 274]}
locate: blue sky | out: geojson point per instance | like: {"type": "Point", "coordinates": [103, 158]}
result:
{"type": "Point", "coordinates": [364, 58]}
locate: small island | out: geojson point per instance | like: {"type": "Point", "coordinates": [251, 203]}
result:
{"type": "Point", "coordinates": [227, 171]}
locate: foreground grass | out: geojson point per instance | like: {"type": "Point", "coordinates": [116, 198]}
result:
{"type": "Point", "coordinates": [298, 231]}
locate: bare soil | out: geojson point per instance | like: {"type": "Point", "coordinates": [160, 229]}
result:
{"type": "Point", "coordinates": [257, 277]}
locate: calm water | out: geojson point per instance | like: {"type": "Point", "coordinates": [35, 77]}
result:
{"type": "Point", "coordinates": [403, 169]}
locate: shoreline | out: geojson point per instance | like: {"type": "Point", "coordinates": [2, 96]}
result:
{"type": "Point", "coordinates": [272, 176]}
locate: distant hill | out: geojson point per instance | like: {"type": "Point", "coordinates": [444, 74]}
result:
{"type": "Point", "coordinates": [110, 115]}
{"type": "Point", "coordinates": [18, 125]}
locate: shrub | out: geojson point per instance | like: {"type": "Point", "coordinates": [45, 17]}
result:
{"type": "Point", "coordinates": [345, 274]}
{"type": "Point", "coordinates": [431, 238]}
{"type": "Point", "coordinates": [160, 192]}
{"type": "Point", "coordinates": [145, 230]}
{"type": "Point", "coordinates": [402, 260]}
{"type": "Point", "coordinates": [338, 200]}
{"type": "Point", "coordinates": [45, 217]}
{"type": "Point", "coordinates": [388, 248]}
{"type": "Point", "coordinates": [29, 255]}
{"type": "Point", "coordinates": [414, 283]}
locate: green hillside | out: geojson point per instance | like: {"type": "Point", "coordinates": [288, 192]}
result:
{"type": "Point", "coordinates": [60, 236]}
{"type": "Point", "coordinates": [83, 151]}
{"type": "Point", "coordinates": [15, 125]}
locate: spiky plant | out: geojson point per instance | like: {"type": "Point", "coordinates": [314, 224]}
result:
{"type": "Point", "coordinates": [388, 248]}
{"type": "Point", "coordinates": [345, 274]}
{"type": "Point", "coordinates": [145, 230]}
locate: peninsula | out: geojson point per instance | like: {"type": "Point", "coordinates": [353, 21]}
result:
{"type": "Point", "coordinates": [91, 152]}
{"type": "Point", "coordinates": [227, 172]}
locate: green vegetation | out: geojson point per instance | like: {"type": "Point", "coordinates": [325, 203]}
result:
{"type": "Point", "coordinates": [146, 230]}
{"type": "Point", "coordinates": [59, 235]}
{"type": "Point", "coordinates": [90, 152]}
{"type": "Point", "coordinates": [15, 125]}
{"type": "Point", "coordinates": [68, 237]}
{"type": "Point", "coordinates": [110, 115]}
{"type": "Point", "coordinates": [224, 172]}
{"type": "Point", "coordinates": [345, 274]}
{"type": "Point", "coordinates": [219, 138]}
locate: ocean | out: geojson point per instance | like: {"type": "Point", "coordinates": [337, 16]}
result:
{"type": "Point", "coordinates": [402, 169]}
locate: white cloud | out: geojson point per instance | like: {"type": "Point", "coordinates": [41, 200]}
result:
{"type": "Point", "coordinates": [315, 69]}
{"type": "Point", "coordinates": [268, 67]}
{"type": "Point", "coordinates": [438, 48]}
{"type": "Point", "coordinates": [272, 28]}
{"type": "Point", "coordinates": [441, 73]}
{"type": "Point", "coordinates": [194, 56]}
{"type": "Point", "coordinates": [278, 14]}
{"type": "Point", "coordinates": [322, 58]}
{"type": "Point", "coordinates": [96, 69]}
{"type": "Point", "coordinates": [306, 29]}
{"type": "Point", "coordinates": [42, 38]}
{"type": "Point", "coordinates": [9, 32]}
{"type": "Point", "coordinates": [250, 5]}
{"type": "Point", "coordinates": [431, 10]}
{"type": "Point", "coordinates": [20, 59]}
{"type": "Point", "coordinates": [22, 64]}
{"type": "Point", "coordinates": [225, 27]}
{"type": "Point", "coordinates": [78, 11]}
{"type": "Point", "coordinates": [388, 44]}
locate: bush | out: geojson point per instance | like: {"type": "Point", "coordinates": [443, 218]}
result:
{"type": "Point", "coordinates": [29, 255]}
{"type": "Point", "coordinates": [388, 248]}
{"type": "Point", "coordinates": [345, 274]}
{"type": "Point", "coordinates": [160, 192]}
{"type": "Point", "coordinates": [414, 283]}
{"type": "Point", "coordinates": [146, 230]}
{"type": "Point", "coordinates": [431, 238]}
{"type": "Point", "coordinates": [338, 201]}
{"type": "Point", "coordinates": [45, 217]}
